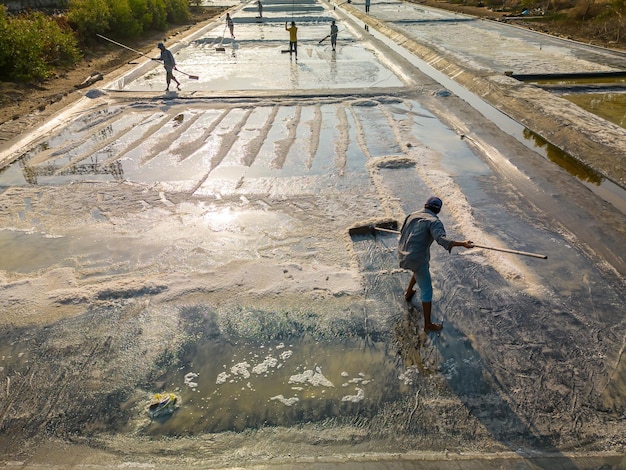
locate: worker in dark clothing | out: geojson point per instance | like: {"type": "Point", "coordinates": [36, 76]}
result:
{"type": "Point", "coordinates": [333, 34]}
{"type": "Point", "coordinates": [170, 64]}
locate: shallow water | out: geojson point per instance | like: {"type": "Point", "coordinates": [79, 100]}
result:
{"type": "Point", "coordinates": [609, 106]}
{"type": "Point", "coordinates": [241, 385]}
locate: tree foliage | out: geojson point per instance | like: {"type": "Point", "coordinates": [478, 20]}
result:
{"type": "Point", "coordinates": [124, 18]}
{"type": "Point", "coordinates": [33, 44]}
{"type": "Point", "coordinates": [89, 16]}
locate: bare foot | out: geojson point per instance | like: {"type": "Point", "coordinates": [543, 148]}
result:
{"type": "Point", "coordinates": [433, 327]}
{"type": "Point", "coordinates": [408, 295]}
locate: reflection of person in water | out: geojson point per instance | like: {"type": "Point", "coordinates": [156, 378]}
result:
{"type": "Point", "coordinates": [293, 38]}
{"type": "Point", "coordinates": [419, 231]}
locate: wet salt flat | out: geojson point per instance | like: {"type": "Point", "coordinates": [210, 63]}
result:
{"type": "Point", "coordinates": [222, 146]}
{"type": "Point", "coordinates": [255, 58]}
{"type": "Point", "coordinates": [492, 47]}
{"type": "Point", "coordinates": [197, 243]}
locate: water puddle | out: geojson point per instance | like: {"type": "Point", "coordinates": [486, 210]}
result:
{"type": "Point", "coordinates": [572, 79]}
{"type": "Point", "coordinates": [604, 96]}
{"type": "Point", "coordinates": [232, 386]}
{"type": "Point", "coordinates": [564, 160]}
{"type": "Point", "coordinates": [609, 106]}
{"type": "Point", "coordinates": [41, 251]}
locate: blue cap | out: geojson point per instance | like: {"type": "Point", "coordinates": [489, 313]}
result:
{"type": "Point", "coordinates": [160, 45]}
{"type": "Point", "coordinates": [434, 203]}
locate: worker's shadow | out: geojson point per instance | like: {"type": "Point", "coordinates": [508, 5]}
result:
{"type": "Point", "coordinates": [473, 384]}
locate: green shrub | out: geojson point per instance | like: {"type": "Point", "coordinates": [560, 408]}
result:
{"type": "Point", "coordinates": [159, 14]}
{"type": "Point", "coordinates": [32, 44]}
{"type": "Point", "coordinates": [142, 12]}
{"type": "Point", "coordinates": [177, 11]}
{"type": "Point", "coordinates": [89, 17]}
{"type": "Point", "coordinates": [59, 41]}
{"type": "Point", "coordinates": [124, 18]}
{"type": "Point", "coordinates": [613, 20]}
{"type": "Point", "coordinates": [4, 39]}
{"type": "Point", "coordinates": [123, 21]}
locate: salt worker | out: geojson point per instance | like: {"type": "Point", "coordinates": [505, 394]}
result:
{"type": "Point", "coordinates": [293, 38]}
{"type": "Point", "coordinates": [419, 230]}
{"type": "Point", "coordinates": [333, 35]}
{"type": "Point", "coordinates": [170, 64]}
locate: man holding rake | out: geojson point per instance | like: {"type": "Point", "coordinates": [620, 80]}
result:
{"type": "Point", "coordinates": [419, 231]}
{"type": "Point", "coordinates": [170, 64]}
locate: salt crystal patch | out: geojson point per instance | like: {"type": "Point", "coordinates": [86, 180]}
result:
{"type": "Point", "coordinates": [409, 375]}
{"type": "Point", "coordinates": [316, 379]}
{"type": "Point", "coordinates": [241, 369]}
{"type": "Point", "coordinates": [286, 401]}
{"type": "Point", "coordinates": [189, 379]}
{"type": "Point", "coordinates": [264, 366]}
{"type": "Point", "coordinates": [360, 395]}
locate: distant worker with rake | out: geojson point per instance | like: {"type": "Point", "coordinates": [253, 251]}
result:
{"type": "Point", "coordinates": [419, 230]}
{"type": "Point", "coordinates": [333, 35]}
{"type": "Point", "coordinates": [170, 64]}
{"type": "Point", "coordinates": [231, 25]}
{"type": "Point", "coordinates": [293, 38]}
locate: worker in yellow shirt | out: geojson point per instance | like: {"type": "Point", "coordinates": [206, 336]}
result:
{"type": "Point", "coordinates": [293, 38]}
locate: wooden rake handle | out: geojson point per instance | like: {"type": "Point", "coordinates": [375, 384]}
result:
{"type": "Point", "coordinates": [515, 252]}
{"type": "Point", "coordinates": [505, 250]}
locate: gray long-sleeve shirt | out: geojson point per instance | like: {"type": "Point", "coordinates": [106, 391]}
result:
{"type": "Point", "coordinates": [419, 231]}
{"type": "Point", "coordinates": [168, 59]}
